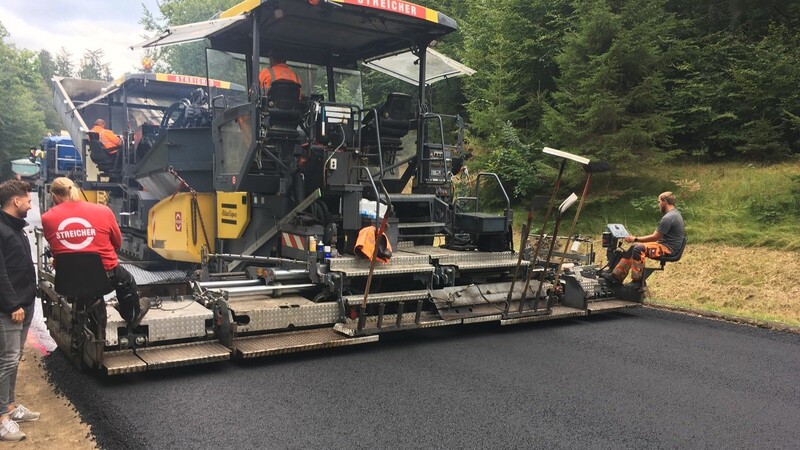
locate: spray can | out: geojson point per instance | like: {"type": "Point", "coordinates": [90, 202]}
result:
{"type": "Point", "coordinates": [327, 253]}
{"type": "Point", "coordinates": [320, 250]}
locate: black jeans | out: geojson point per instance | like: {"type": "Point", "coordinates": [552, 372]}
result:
{"type": "Point", "coordinates": [122, 281]}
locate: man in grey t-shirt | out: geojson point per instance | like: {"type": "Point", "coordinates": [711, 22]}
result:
{"type": "Point", "coordinates": [667, 239]}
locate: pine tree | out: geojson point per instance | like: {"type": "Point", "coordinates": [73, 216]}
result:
{"type": "Point", "coordinates": [63, 64]}
{"type": "Point", "coordinates": [610, 101]}
{"type": "Point", "coordinates": [92, 66]}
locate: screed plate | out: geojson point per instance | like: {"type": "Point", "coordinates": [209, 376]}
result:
{"type": "Point", "coordinates": [296, 341]}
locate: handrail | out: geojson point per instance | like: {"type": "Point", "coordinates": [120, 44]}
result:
{"type": "Point", "coordinates": [377, 134]}
{"type": "Point", "coordinates": [502, 189]}
{"type": "Point", "coordinates": [476, 198]}
{"type": "Point", "coordinates": [443, 159]}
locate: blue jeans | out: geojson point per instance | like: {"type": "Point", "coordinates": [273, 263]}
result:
{"type": "Point", "coordinates": [12, 341]}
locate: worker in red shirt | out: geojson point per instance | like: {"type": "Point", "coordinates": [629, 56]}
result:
{"type": "Point", "coordinates": [277, 70]}
{"type": "Point", "coordinates": [110, 141]}
{"type": "Point", "coordinates": [73, 226]}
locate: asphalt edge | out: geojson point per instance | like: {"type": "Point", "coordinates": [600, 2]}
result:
{"type": "Point", "coordinates": [775, 326]}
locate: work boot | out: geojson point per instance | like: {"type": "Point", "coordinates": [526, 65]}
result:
{"type": "Point", "coordinates": [144, 306]}
{"type": "Point", "coordinates": [610, 278]}
{"type": "Point", "coordinates": [23, 414]}
{"type": "Point", "coordinates": [9, 431]}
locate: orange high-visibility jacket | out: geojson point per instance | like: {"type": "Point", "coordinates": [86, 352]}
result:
{"type": "Point", "coordinates": [107, 137]}
{"type": "Point", "coordinates": [280, 72]}
{"type": "Point", "coordinates": [365, 245]}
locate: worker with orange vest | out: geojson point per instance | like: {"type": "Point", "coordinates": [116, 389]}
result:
{"type": "Point", "coordinates": [111, 142]}
{"type": "Point", "coordinates": [277, 70]}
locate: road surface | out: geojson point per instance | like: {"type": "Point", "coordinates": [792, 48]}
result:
{"type": "Point", "coordinates": [640, 379]}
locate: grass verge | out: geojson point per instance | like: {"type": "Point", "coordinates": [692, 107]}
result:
{"type": "Point", "coordinates": [742, 221]}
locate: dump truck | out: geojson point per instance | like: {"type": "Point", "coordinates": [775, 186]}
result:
{"type": "Point", "coordinates": [269, 221]}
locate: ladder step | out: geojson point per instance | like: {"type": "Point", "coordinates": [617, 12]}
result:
{"type": "Point", "coordinates": [420, 225]}
{"type": "Point", "coordinates": [400, 198]}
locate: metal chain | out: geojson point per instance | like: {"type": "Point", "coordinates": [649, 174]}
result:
{"type": "Point", "coordinates": [196, 207]}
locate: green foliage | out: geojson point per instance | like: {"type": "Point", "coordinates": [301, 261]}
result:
{"type": "Point", "coordinates": [47, 65]}
{"type": "Point", "coordinates": [643, 204]}
{"type": "Point", "coordinates": [63, 64]}
{"type": "Point", "coordinates": [92, 66]}
{"type": "Point", "coordinates": [732, 203]}
{"type": "Point", "coordinates": [611, 97]}
{"type": "Point", "coordinates": [773, 207]}
{"type": "Point", "coordinates": [736, 97]}
{"type": "Point", "coordinates": [518, 165]}
{"type": "Point", "coordinates": [512, 44]}
{"type": "Point", "coordinates": [21, 119]}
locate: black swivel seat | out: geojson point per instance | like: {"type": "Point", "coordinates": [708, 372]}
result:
{"type": "Point", "coordinates": [82, 279]}
{"type": "Point", "coordinates": [283, 110]}
{"type": "Point", "coordinates": [106, 162]}
{"type": "Point", "coordinates": [392, 123]}
{"type": "Point", "coordinates": [673, 258]}
{"type": "Point", "coordinates": [664, 259]}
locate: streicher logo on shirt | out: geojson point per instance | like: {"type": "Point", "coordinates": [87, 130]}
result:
{"type": "Point", "coordinates": [76, 237]}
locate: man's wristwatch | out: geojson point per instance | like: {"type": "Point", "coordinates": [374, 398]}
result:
{"type": "Point", "coordinates": [636, 239]}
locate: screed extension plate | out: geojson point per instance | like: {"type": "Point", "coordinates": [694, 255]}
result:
{"type": "Point", "coordinates": [123, 361]}
{"type": "Point", "coordinates": [130, 361]}
{"type": "Point", "coordinates": [556, 312]}
{"type": "Point", "coordinates": [296, 341]}
{"type": "Point", "coordinates": [610, 305]}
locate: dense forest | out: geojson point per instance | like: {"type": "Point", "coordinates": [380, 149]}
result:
{"type": "Point", "coordinates": [631, 81]}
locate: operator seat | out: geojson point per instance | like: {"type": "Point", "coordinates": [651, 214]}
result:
{"type": "Point", "coordinates": [392, 123]}
{"type": "Point", "coordinates": [664, 259]}
{"type": "Point", "coordinates": [283, 110]}
{"type": "Point", "coordinates": [82, 277]}
{"type": "Point", "coordinates": [105, 159]}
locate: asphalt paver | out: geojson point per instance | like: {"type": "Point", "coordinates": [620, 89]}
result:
{"type": "Point", "coordinates": [640, 379]}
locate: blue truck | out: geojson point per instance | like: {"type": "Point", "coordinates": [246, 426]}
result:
{"type": "Point", "coordinates": [61, 159]}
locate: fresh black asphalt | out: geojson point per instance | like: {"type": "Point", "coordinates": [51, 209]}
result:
{"type": "Point", "coordinates": [639, 379]}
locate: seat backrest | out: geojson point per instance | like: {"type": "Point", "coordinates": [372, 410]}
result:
{"type": "Point", "coordinates": [283, 98]}
{"type": "Point", "coordinates": [396, 111]}
{"type": "Point", "coordinates": [81, 275]}
{"type": "Point", "coordinates": [676, 256]}
{"type": "Point", "coordinates": [394, 115]}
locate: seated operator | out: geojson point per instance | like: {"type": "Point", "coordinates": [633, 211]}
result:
{"type": "Point", "coordinates": [667, 239]}
{"type": "Point", "coordinates": [111, 142]}
{"type": "Point", "coordinates": [73, 225]}
{"type": "Point", "coordinates": [277, 70]}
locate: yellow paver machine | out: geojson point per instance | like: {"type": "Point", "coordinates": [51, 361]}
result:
{"type": "Point", "coordinates": [268, 221]}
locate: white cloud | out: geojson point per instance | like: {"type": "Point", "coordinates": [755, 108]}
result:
{"type": "Point", "coordinates": [78, 27]}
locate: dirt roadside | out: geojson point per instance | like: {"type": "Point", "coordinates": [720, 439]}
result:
{"type": "Point", "coordinates": [59, 427]}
